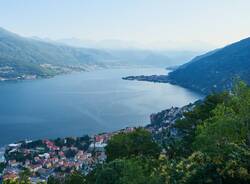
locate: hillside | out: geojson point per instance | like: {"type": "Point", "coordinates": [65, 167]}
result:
{"type": "Point", "coordinates": [216, 70]}
{"type": "Point", "coordinates": [29, 58]}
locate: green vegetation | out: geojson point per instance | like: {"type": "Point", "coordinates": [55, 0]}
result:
{"type": "Point", "coordinates": [53, 180]}
{"type": "Point", "coordinates": [215, 70]}
{"type": "Point", "coordinates": [79, 142]}
{"type": "Point", "coordinates": [2, 166]}
{"type": "Point", "coordinates": [126, 171]}
{"type": "Point", "coordinates": [137, 143]}
{"type": "Point", "coordinates": [23, 178]}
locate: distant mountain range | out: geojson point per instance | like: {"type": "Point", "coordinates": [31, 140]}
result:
{"type": "Point", "coordinates": [116, 44]}
{"type": "Point", "coordinates": [29, 58]}
{"type": "Point", "coordinates": [211, 72]}
{"type": "Point", "coordinates": [128, 52]}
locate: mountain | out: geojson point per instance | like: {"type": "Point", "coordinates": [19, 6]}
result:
{"type": "Point", "coordinates": [152, 57]}
{"type": "Point", "coordinates": [216, 70]}
{"type": "Point", "coordinates": [115, 44]}
{"type": "Point", "coordinates": [134, 53]}
{"type": "Point", "coordinates": [21, 57]}
{"type": "Point", "coordinates": [110, 44]}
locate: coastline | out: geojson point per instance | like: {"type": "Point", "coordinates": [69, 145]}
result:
{"type": "Point", "coordinates": [169, 116]}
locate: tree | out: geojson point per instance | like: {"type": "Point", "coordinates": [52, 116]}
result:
{"type": "Point", "coordinates": [223, 137]}
{"type": "Point", "coordinates": [136, 143]}
{"type": "Point", "coordinates": [53, 180]}
{"type": "Point", "coordinates": [75, 178]}
{"type": "Point", "coordinates": [124, 171]}
{"type": "Point", "coordinates": [24, 176]}
{"type": "Point", "coordinates": [186, 127]}
{"type": "Point", "coordinates": [10, 182]}
{"type": "Point", "coordinates": [2, 166]}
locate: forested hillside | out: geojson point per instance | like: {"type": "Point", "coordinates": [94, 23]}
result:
{"type": "Point", "coordinates": [216, 70]}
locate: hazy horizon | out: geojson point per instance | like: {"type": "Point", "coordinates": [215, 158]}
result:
{"type": "Point", "coordinates": [159, 24]}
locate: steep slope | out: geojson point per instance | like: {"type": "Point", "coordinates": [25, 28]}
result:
{"type": "Point", "coordinates": [21, 56]}
{"type": "Point", "coordinates": [216, 70]}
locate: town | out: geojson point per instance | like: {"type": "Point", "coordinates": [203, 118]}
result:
{"type": "Point", "coordinates": [59, 157]}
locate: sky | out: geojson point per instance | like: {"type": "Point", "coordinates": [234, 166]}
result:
{"type": "Point", "coordinates": [155, 22]}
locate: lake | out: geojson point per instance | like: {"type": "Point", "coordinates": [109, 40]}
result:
{"type": "Point", "coordinates": [83, 103]}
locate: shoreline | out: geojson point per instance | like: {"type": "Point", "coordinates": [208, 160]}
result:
{"type": "Point", "coordinates": [172, 114]}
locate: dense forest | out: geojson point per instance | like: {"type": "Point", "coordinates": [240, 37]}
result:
{"type": "Point", "coordinates": [212, 145]}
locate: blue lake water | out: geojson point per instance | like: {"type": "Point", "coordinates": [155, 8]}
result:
{"type": "Point", "coordinates": [83, 103]}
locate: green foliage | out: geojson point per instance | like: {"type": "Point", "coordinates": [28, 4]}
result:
{"type": "Point", "coordinates": [187, 126]}
{"type": "Point", "coordinates": [2, 166]}
{"type": "Point", "coordinates": [228, 125]}
{"type": "Point", "coordinates": [79, 142]}
{"type": "Point", "coordinates": [34, 144]}
{"type": "Point", "coordinates": [136, 143]}
{"type": "Point", "coordinates": [201, 168]}
{"type": "Point", "coordinates": [53, 180]}
{"type": "Point", "coordinates": [75, 178]}
{"type": "Point", "coordinates": [24, 176]}
{"type": "Point", "coordinates": [219, 144]}
{"type": "Point", "coordinates": [216, 134]}
{"type": "Point", "coordinates": [10, 182]}
{"type": "Point", "coordinates": [125, 171]}
{"type": "Point", "coordinates": [215, 70]}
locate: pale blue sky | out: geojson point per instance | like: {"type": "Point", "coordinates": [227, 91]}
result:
{"type": "Point", "coordinates": [145, 21]}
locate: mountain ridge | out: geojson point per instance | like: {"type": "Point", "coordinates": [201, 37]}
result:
{"type": "Point", "coordinates": [215, 71]}
{"type": "Point", "coordinates": [21, 56]}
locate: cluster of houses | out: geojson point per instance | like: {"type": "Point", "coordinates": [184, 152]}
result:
{"type": "Point", "coordinates": [48, 159]}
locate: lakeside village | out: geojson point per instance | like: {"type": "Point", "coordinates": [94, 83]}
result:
{"type": "Point", "coordinates": [59, 157]}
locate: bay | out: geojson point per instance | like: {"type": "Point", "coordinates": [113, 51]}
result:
{"type": "Point", "coordinates": [84, 103]}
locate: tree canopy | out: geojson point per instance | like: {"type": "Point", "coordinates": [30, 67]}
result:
{"type": "Point", "coordinates": [136, 143]}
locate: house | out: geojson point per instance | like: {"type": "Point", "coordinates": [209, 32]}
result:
{"type": "Point", "coordinates": [14, 145]}
{"type": "Point", "coordinates": [45, 155]}
{"type": "Point", "coordinates": [13, 163]}
{"type": "Point", "coordinates": [35, 180]}
{"type": "Point", "coordinates": [35, 168]}
{"type": "Point", "coordinates": [10, 176]}
{"type": "Point", "coordinates": [45, 173]}
{"type": "Point", "coordinates": [98, 146]}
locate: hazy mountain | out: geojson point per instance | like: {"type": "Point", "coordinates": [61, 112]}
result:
{"type": "Point", "coordinates": [24, 56]}
{"type": "Point", "coordinates": [216, 70]}
{"type": "Point", "coordinates": [113, 44]}
{"type": "Point", "coordinates": [134, 53]}
{"type": "Point", "coordinates": [153, 58]}
{"type": "Point", "coordinates": [102, 44]}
